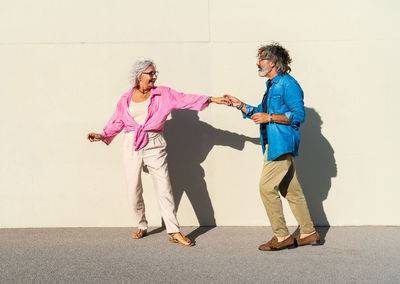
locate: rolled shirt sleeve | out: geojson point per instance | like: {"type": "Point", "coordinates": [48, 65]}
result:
{"type": "Point", "coordinates": [114, 126]}
{"type": "Point", "coordinates": [295, 103]}
{"type": "Point", "coordinates": [250, 110]}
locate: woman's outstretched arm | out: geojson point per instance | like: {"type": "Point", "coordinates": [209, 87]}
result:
{"type": "Point", "coordinates": [193, 101]}
{"type": "Point", "coordinates": [114, 126]}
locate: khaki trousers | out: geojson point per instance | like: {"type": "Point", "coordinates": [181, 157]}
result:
{"type": "Point", "coordinates": [279, 176]}
{"type": "Point", "coordinates": [154, 156]}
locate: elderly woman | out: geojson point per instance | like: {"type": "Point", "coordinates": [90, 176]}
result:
{"type": "Point", "coordinates": [142, 112]}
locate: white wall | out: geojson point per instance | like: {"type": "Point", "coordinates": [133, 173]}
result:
{"type": "Point", "coordinates": [64, 65]}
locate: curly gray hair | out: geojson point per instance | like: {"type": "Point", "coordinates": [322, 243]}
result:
{"type": "Point", "coordinates": [138, 68]}
{"type": "Point", "coordinates": [278, 54]}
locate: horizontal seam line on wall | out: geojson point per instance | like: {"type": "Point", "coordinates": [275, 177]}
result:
{"type": "Point", "coordinates": [184, 42]}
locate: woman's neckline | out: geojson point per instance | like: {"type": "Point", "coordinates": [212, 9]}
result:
{"type": "Point", "coordinates": [141, 101]}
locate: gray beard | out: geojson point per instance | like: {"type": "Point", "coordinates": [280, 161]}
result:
{"type": "Point", "coordinates": [263, 72]}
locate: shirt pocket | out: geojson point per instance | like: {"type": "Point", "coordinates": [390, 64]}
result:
{"type": "Point", "coordinates": [275, 103]}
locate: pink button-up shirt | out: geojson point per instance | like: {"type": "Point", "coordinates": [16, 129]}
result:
{"type": "Point", "coordinates": [163, 100]}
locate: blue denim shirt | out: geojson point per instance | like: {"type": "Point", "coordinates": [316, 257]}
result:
{"type": "Point", "coordinates": [285, 97]}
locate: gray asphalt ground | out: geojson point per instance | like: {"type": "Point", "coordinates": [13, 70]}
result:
{"type": "Point", "coordinates": [221, 255]}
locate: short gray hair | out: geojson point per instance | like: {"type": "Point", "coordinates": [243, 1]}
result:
{"type": "Point", "coordinates": [278, 54]}
{"type": "Point", "coordinates": [138, 68]}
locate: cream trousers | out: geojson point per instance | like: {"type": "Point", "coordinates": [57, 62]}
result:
{"type": "Point", "coordinates": [154, 156]}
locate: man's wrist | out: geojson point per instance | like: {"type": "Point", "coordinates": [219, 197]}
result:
{"type": "Point", "coordinates": [241, 106]}
{"type": "Point", "coordinates": [209, 100]}
{"type": "Point", "coordinates": [270, 118]}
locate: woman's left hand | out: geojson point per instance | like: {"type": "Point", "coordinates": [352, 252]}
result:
{"type": "Point", "coordinates": [94, 137]}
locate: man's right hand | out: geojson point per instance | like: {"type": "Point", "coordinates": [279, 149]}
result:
{"type": "Point", "coordinates": [235, 102]}
{"type": "Point", "coordinates": [94, 137]}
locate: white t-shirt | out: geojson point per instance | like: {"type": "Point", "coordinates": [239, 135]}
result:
{"type": "Point", "coordinates": [139, 110]}
{"type": "Point", "coordinates": [139, 113]}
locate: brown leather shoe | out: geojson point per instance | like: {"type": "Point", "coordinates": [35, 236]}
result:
{"type": "Point", "coordinates": [273, 244]}
{"type": "Point", "coordinates": [311, 239]}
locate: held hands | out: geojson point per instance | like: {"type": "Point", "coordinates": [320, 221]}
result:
{"type": "Point", "coordinates": [233, 102]}
{"type": "Point", "coordinates": [227, 100]}
{"type": "Point", "coordinates": [94, 137]}
{"type": "Point", "coordinates": [258, 118]}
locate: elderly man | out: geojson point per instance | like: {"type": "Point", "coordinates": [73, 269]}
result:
{"type": "Point", "coordinates": [279, 116]}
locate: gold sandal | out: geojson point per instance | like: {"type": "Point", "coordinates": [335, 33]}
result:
{"type": "Point", "coordinates": [175, 240]}
{"type": "Point", "coordinates": [139, 234]}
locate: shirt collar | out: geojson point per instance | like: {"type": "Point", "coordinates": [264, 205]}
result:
{"type": "Point", "coordinates": [156, 91]}
{"type": "Point", "coordinates": [275, 79]}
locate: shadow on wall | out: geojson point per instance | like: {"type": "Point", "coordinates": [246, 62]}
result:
{"type": "Point", "coordinates": [315, 167]}
{"type": "Point", "coordinates": [189, 141]}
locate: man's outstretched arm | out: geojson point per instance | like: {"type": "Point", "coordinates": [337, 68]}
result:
{"type": "Point", "coordinates": [246, 109]}
{"type": "Point", "coordinates": [256, 113]}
